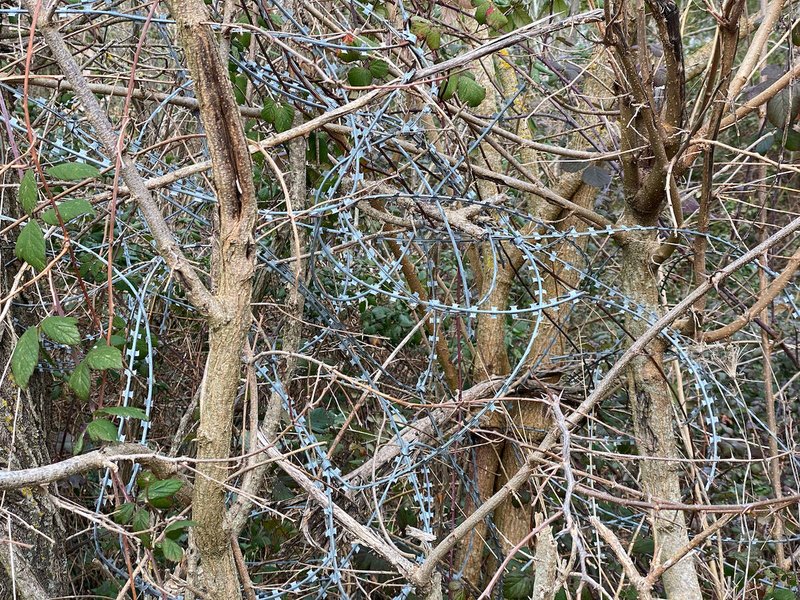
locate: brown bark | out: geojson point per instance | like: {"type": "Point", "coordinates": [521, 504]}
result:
{"type": "Point", "coordinates": [646, 179]}
{"type": "Point", "coordinates": [546, 569]}
{"type": "Point", "coordinates": [497, 463]}
{"type": "Point", "coordinates": [37, 565]}
{"type": "Point", "coordinates": [296, 200]}
{"type": "Point", "coordinates": [232, 271]}
{"type": "Point", "coordinates": [513, 518]}
{"type": "Point", "coordinates": [38, 568]}
{"type": "Point", "coordinates": [414, 283]}
{"type": "Point", "coordinates": [497, 273]}
{"type": "Point", "coordinates": [491, 357]}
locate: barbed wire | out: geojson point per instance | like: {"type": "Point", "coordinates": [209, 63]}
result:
{"type": "Point", "coordinates": [349, 267]}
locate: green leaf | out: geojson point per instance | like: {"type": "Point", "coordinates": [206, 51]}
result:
{"type": "Point", "coordinates": [123, 411]}
{"type": "Point", "coordinates": [140, 523]}
{"type": "Point", "coordinates": [175, 528]}
{"type": "Point", "coordinates": [317, 148]}
{"type": "Point", "coordinates": [596, 176]}
{"type": "Point", "coordinates": [796, 35]}
{"type": "Point", "coordinates": [30, 246]}
{"type": "Point", "coordinates": [165, 488]}
{"type": "Point", "coordinates": [321, 420]}
{"type": "Point", "coordinates": [78, 447]}
{"type": "Point", "coordinates": [379, 68]}
{"type": "Point", "coordinates": [765, 144]}
{"type": "Point", "coordinates": [349, 56]}
{"type": "Point", "coordinates": [792, 142]}
{"type": "Point", "coordinates": [243, 40]}
{"type": "Point", "coordinates": [25, 357]}
{"type": "Point", "coordinates": [482, 11]}
{"type": "Point", "coordinates": [101, 358]}
{"type": "Point", "coordinates": [284, 118]}
{"type": "Point", "coordinates": [359, 77]}
{"type": "Point", "coordinates": [323, 155]}
{"type": "Point", "coordinates": [62, 330]}
{"type": "Point", "coordinates": [783, 107]}
{"type": "Point", "coordinates": [780, 593]}
{"type": "Point", "coordinates": [73, 171]}
{"type": "Point", "coordinates": [28, 192]}
{"type": "Point", "coordinates": [517, 585]}
{"type": "Point", "coordinates": [495, 18]}
{"type": "Point", "coordinates": [69, 210]}
{"type": "Point", "coordinates": [470, 92]}
{"type": "Point", "coordinates": [521, 16]}
{"type": "Point", "coordinates": [434, 39]}
{"type": "Point", "coordinates": [239, 87]}
{"type": "Point", "coordinates": [141, 520]}
{"type": "Point", "coordinates": [643, 546]}
{"type": "Point", "coordinates": [172, 551]}
{"type": "Point", "coordinates": [80, 381]}
{"type": "Point", "coordinates": [269, 110]}
{"type": "Point", "coordinates": [420, 27]}
{"type": "Point", "coordinates": [110, 588]}
{"type": "Point", "coordinates": [363, 41]}
{"type": "Point", "coordinates": [103, 430]}
{"type": "Point", "coordinates": [124, 513]}
{"type": "Point", "coordinates": [144, 479]}
{"type": "Point", "coordinates": [449, 88]}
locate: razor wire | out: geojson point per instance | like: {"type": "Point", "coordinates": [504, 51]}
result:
{"type": "Point", "coordinates": [342, 278]}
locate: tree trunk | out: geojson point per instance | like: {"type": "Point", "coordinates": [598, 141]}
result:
{"type": "Point", "coordinates": [232, 264]}
{"type": "Point", "coordinates": [221, 380]}
{"type": "Point", "coordinates": [513, 518]}
{"type": "Point", "coordinates": [651, 408]}
{"type": "Point", "coordinates": [34, 568]}
{"type": "Point", "coordinates": [37, 566]}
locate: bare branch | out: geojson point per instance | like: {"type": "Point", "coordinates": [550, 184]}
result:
{"type": "Point", "coordinates": [643, 586]}
{"type": "Point", "coordinates": [105, 458]}
{"type": "Point", "coordinates": [168, 247]}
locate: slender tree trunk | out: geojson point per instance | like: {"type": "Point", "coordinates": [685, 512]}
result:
{"type": "Point", "coordinates": [653, 423]}
{"type": "Point", "coordinates": [297, 200]}
{"type": "Point", "coordinates": [232, 272]}
{"type": "Point", "coordinates": [222, 373]}
{"type": "Point", "coordinates": [646, 177]}
{"type": "Point", "coordinates": [514, 518]}
{"type": "Point", "coordinates": [36, 566]}
{"type": "Point", "coordinates": [491, 357]}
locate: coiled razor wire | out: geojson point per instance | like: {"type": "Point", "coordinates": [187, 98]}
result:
{"type": "Point", "coordinates": [338, 281]}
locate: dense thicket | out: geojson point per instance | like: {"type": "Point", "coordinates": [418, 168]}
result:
{"type": "Point", "coordinates": [403, 299]}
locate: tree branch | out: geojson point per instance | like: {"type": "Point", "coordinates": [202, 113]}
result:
{"type": "Point", "coordinates": [764, 298]}
{"type": "Point", "coordinates": [526, 470]}
{"type": "Point", "coordinates": [106, 457]}
{"type": "Point", "coordinates": [167, 245]}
